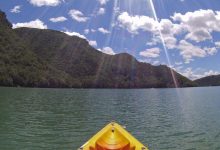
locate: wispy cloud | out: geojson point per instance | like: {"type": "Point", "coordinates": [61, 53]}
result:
{"type": "Point", "coordinates": [104, 31]}
{"type": "Point", "coordinates": [40, 3]}
{"type": "Point", "coordinates": [107, 50]}
{"type": "Point", "coordinates": [93, 43]}
{"type": "Point", "coordinates": [197, 73]}
{"type": "Point", "coordinates": [75, 34]}
{"type": "Point", "coordinates": [16, 9]}
{"type": "Point", "coordinates": [151, 53]}
{"type": "Point", "coordinates": [101, 11]}
{"type": "Point", "coordinates": [58, 19]}
{"type": "Point", "coordinates": [77, 15]}
{"type": "Point", "coordinates": [103, 2]}
{"type": "Point", "coordinates": [196, 27]}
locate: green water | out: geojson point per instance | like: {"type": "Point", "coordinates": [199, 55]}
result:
{"type": "Point", "coordinates": [164, 119]}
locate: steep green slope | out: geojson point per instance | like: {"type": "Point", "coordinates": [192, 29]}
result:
{"type": "Point", "coordinates": [48, 58]}
{"type": "Point", "coordinates": [19, 65]}
{"type": "Point", "coordinates": [209, 81]}
{"type": "Point", "coordinates": [93, 68]}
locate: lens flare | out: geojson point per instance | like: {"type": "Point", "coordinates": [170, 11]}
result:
{"type": "Point", "coordinates": [163, 43]}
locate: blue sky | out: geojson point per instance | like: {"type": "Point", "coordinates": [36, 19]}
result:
{"type": "Point", "coordinates": [183, 34]}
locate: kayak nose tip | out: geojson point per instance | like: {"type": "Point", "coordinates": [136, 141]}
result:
{"type": "Point", "coordinates": [113, 123]}
{"type": "Point", "coordinates": [113, 137]}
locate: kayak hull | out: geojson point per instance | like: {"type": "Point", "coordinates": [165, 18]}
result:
{"type": "Point", "coordinates": [113, 137]}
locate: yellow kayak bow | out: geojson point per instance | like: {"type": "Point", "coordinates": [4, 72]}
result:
{"type": "Point", "coordinates": [113, 137]}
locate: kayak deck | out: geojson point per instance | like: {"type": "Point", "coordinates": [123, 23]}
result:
{"type": "Point", "coordinates": [113, 137]}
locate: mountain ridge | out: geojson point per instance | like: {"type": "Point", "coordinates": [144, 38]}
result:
{"type": "Point", "coordinates": [49, 58]}
{"type": "Point", "coordinates": [213, 80]}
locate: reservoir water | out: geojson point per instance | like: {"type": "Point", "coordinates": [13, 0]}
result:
{"type": "Point", "coordinates": [163, 119]}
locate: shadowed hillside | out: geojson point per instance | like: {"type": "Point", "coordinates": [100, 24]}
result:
{"type": "Point", "coordinates": [209, 81]}
{"type": "Point", "coordinates": [48, 58]}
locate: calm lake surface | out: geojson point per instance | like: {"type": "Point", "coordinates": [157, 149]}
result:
{"type": "Point", "coordinates": [163, 119]}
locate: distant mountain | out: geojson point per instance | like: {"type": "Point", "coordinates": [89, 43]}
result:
{"type": "Point", "coordinates": [48, 58]}
{"type": "Point", "coordinates": [209, 81]}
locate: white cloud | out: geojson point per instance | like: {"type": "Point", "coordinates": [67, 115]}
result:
{"type": "Point", "coordinates": [197, 73]}
{"type": "Point", "coordinates": [190, 27]}
{"type": "Point", "coordinates": [77, 15]}
{"type": "Point", "coordinates": [40, 3]}
{"type": "Point", "coordinates": [16, 9]}
{"type": "Point", "coordinates": [86, 31]}
{"type": "Point", "coordinates": [170, 42]}
{"type": "Point", "coordinates": [145, 23]}
{"type": "Point", "coordinates": [104, 31]}
{"type": "Point", "coordinates": [145, 60]}
{"type": "Point", "coordinates": [75, 34]}
{"type": "Point", "coordinates": [103, 2]}
{"type": "Point", "coordinates": [211, 50]}
{"type": "Point", "coordinates": [199, 24]}
{"type": "Point", "coordinates": [156, 62]}
{"type": "Point", "coordinates": [178, 63]}
{"type": "Point", "coordinates": [199, 35]}
{"type": "Point", "coordinates": [93, 30]}
{"type": "Point", "coordinates": [217, 44]}
{"type": "Point", "coordinates": [151, 53]}
{"type": "Point", "coordinates": [197, 19]}
{"type": "Point", "coordinates": [168, 31]}
{"type": "Point", "coordinates": [93, 43]}
{"type": "Point", "coordinates": [101, 11]}
{"type": "Point", "coordinates": [166, 27]}
{"type": "Point", "coordinates": [135, 23]}
{"type": "Point", "coordinates": [107, 50]}
{"type": "Point", "coordinates": [58, 19]}
{"type": "Point", "coordinates": [189, 73]}
{"type": "Point", "coordinates": [154, 41]}
{"type": "Point", "coordinates": [211, 72]}
{"type": "Point", "coordinates": [32, 24]}
{"type": "Point", "coordinates": [188, 51]}
{"type": "Point", "coordinates": [149, 61]}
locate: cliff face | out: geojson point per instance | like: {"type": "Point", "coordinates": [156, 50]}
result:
{"type": "Point", "coordinates": [48, 58]}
